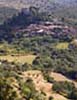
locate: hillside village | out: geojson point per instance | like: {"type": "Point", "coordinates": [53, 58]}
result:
{"type": "Point", "coordinates": [47, 28]}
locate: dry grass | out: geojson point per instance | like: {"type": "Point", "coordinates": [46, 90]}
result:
{"type": "Point", "coordinates": [42, 85]}
{"type": "Point", "coordinates": [19, 58]}
{"type": "Point", "coordinates": [58, 97]}
{"type": "Point", "coordinates": [63, 45]}
{"type": "Point", "coordinates": [59, 77]}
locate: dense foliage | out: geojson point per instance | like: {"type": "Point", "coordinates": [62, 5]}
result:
{"type": "Point", "coordinates": [66, 88]}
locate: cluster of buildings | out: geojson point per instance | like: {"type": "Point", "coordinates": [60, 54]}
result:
{"type": "Point", "coordinates": [44, 28]}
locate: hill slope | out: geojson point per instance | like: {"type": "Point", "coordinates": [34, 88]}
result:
{"type": "Point", "coordinates": [6, 12]}
{"type": "Point", "coordinates": [48, 4]}
{"type": "Point", "coordinates": [58, 8]}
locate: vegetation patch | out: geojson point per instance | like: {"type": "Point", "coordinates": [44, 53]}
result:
{"type": "Point", "coordinates": [66, 89]}
{"type": "Point", "coordinates": [63, 45]}
{"type": "Point", "coordinates": [19, 58]}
